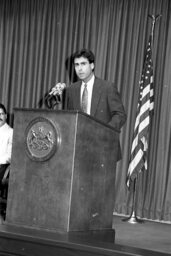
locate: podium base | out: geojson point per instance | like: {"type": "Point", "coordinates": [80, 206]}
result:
{"type": "Point", "coordinates": [16, 240]}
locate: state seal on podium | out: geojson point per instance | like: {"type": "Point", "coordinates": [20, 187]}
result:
{"type": "Point", "coordinates": [42, 139]}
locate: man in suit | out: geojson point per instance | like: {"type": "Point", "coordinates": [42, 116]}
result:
{"type": "Point", "coordinates": [103, 99]}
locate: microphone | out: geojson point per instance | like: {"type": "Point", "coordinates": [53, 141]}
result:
{"type": "Point", "coordinates": [57, 89]}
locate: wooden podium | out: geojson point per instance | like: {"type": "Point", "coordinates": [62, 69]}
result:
{"type": "Point", "coordinates": [62, 175]}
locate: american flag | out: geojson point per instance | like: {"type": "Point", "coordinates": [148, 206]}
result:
{"type": "Point", "coordinates": [138, 159]}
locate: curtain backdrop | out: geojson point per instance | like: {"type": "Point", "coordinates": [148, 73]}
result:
{"type": "Point", "coordinates": [37, 38]}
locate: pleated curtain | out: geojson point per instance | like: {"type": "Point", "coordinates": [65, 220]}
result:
{"type": "Point", "coordinates": [37, 38]}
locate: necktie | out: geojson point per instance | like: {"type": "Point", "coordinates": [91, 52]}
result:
{"type": "Point", "coordinates": [85, 99]}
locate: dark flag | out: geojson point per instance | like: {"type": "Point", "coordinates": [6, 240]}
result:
{"type": "Point", "coordinates": [138, 159]}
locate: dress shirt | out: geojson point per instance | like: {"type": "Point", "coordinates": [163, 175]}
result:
{"type": "Point", "coordinates": [6, 134]}
{"type": "Point", "coordinates": [90, 84]}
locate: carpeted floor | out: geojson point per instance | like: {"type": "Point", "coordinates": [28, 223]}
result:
{"type": "Point", "coordinates": [149, 235]}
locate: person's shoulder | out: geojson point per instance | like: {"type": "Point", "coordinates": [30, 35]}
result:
{"type": "Point", "coordinates": [9, 128]}
{"type": "Point", "coordinates": [103, 82]}
{"type": "Point", "coordinates": [77, 83]}
{"type": "Point", "coordinates": [73, 86]}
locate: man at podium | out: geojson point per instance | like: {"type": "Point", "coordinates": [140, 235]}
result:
{"type": "Point", "coordinates": [65, 187]}
{"type": "Point", "coordinates": [92, 95]}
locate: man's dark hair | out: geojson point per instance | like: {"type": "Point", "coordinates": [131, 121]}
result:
{"type": "Point", "coordinates": [3, 107]}
{"type": "Point", "coordinates": [84, 53]}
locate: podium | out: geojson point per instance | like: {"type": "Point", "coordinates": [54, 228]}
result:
{"type": "Point", "coordinates": [62, 175]}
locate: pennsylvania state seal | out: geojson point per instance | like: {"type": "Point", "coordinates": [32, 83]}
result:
{"type": "Point", "coordinates": [42, 139]}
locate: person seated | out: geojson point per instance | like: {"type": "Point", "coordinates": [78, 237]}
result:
{"type": "Point", "coordinates": [6, 135]}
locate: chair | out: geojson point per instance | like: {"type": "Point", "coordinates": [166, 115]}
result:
{"type": "Point", "coordinates": [4, 192]}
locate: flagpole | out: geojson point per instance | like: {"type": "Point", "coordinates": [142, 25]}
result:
{"type": "Point", "coordinates": [133, 217]}
{"type": "Point", "coordinates": [143, 141]}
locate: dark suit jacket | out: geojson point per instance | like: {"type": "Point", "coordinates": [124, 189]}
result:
{"type": "Point", "coordinates": [106, 104]}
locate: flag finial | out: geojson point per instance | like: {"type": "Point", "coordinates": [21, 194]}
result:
{"type": "Point", "coordinates": [154, 19]}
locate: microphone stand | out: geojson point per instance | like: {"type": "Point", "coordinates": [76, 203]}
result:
{"type": "Point", "coordinates": [54, 101]}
